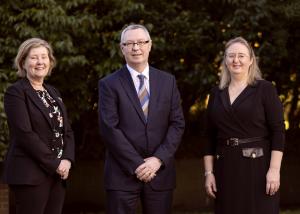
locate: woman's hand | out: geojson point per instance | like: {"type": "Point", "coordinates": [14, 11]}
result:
{"type": "Point", "coordinates": [64, 168]}
{"type": "Point", "coordinates": [273, 181]}
{"type": "Point", "coordinates": [210, 185]}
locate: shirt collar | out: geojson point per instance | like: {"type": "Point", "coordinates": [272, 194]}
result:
{"type": "Point", "coordinates": [134, 73]}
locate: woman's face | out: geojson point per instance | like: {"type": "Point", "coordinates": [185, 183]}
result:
{"type": "Point", "coordinates": [238, 59]}
{"type": "Point", "coordinates": [37, 63]}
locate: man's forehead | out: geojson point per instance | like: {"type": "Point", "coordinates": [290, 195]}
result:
{"type": "Point", "coordinates": [135, 34]}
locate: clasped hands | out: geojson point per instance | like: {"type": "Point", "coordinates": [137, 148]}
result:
{"type": "Point", "coordinates": [64, 168]}
{"type": "Point", "coordinates": [147, 170]}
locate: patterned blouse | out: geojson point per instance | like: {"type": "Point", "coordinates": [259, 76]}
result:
{"type": "Point", "coordinates": [56, 118]}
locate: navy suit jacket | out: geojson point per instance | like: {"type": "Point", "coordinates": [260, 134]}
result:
{"type": "Point", "coordinates": [29, 159]}
{"type": "Point", "coordinates": [129, 138]}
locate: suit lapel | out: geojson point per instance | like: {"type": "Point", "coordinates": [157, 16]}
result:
{"type": "Point", "coordinates": [130, 90]}
{"type": "Point", "coordinates": [31, 93]}
{"type": "Point", "coordinates": [55, 96]}
{"type": "Point", "coordinates": [154, 88]}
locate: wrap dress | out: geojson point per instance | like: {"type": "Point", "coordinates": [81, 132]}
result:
{"type": "Point", "coordinates": [240, 170]}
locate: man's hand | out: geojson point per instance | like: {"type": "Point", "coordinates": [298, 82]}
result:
{"type": "Point", "coordinates": [64, 168]}
{"type": "Point", "coordinates": [147, 171]}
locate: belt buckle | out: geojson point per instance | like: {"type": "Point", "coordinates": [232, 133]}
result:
{"type": "Point", "coordinates": [232, 141]}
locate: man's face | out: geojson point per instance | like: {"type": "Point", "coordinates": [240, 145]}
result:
{"type": "Point", "coordinates": [136, 47]}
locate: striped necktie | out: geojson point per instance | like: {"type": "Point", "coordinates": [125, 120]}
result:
{"type": "Point", "coordinates": [143, 95]}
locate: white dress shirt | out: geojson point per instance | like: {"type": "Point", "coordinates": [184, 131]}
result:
{"type": "Point", "coordinates": [134, 74]}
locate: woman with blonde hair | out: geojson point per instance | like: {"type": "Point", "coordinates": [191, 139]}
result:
{"type": "Point", "coordinates": [41, 149]}
{"type": "Point", "coordinates": [246, 137]}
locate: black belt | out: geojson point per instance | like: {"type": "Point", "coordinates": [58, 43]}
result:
{"type": "Point", "coordinates": [237, 141]}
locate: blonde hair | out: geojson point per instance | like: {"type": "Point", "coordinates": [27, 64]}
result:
{"type": "Point", "coordinates": [254, 73]}
{"type": "Point", "coordinates": [24, 50]}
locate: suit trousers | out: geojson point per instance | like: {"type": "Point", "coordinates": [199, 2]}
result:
{"type": "Point", "coordinates": [152, 201]}
{"type": "Point", "coordinates": [45, 198]}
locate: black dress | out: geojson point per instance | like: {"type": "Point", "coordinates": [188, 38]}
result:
{"type": "Point", "coordinates": [240, 175]}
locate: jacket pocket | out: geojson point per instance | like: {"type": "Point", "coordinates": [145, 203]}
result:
{"type": "Point", "coordinates": [253, 152]}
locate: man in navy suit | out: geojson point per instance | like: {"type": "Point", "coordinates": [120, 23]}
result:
{"type": "Point", "coordinates": [141, 122]}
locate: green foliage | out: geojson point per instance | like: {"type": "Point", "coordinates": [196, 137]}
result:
{"type": "Point", "coordinates": [3, 122]}
{"type": "Point", "coordinates": [188, 41]}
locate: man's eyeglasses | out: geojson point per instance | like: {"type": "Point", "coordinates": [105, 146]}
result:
{"type": "Point", "coordinates": [139, 43]}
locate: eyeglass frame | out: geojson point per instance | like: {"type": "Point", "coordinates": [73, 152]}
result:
{"type": "Point", "coordinates": [138, 43]}
{"type": "Point", "coordinates": [232, 56]}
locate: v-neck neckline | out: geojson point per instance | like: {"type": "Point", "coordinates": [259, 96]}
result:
{"type": "Point", "coordinates": [237, 97]}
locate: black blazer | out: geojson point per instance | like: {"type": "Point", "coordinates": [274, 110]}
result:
{"type": "Point", "coordinates": [29, 159]}
{"type": "Point", "coordinates": [129, 138]}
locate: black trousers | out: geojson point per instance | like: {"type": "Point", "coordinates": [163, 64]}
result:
{"type": "Point", "coordinates": [125, 202]}
{"type": "Point", "coordinates": [45, 198]}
